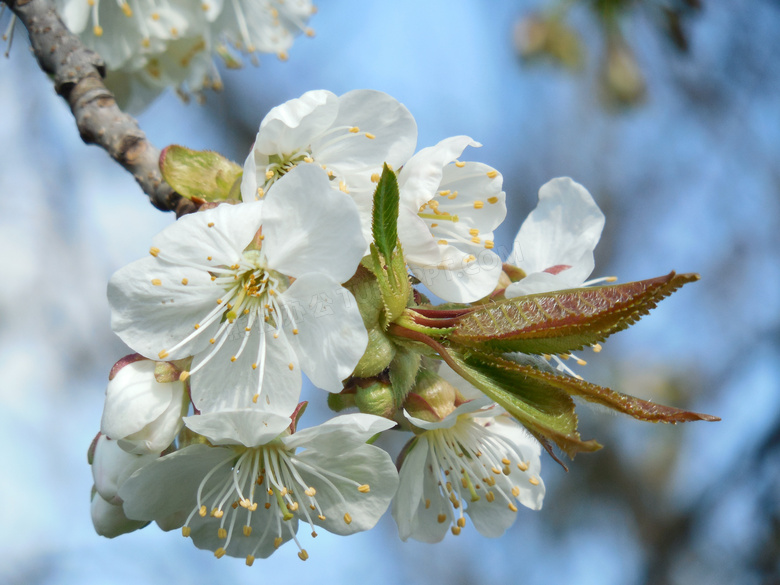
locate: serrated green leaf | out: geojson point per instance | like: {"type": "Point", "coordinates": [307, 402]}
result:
{"type": "Point", "coordinates": [199, 174]}
{"type": "Point", "coordinates": [545, 410]}
{"type": "Point", "coordinates": [563, 321]}
{"type": "Point", "coordinates": [384, 220]}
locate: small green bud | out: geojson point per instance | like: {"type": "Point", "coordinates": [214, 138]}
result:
{"type": "Point", "coordinates": [378, 355]}
{"type": "Point", "coordinates": [199, 174]}
{"type": "Point", "coordinates": [376, 398]}
{"type": "Point", "coordinates": [432, 397]}
{"type": "Point", "coordinates": [342, 401]}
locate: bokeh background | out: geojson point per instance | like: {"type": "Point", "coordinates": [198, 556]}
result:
{"type": "Point", "coordinates": [686, 166]}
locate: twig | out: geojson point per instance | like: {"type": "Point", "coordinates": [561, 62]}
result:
{"type": "Point", "coordinates": [78, 77]}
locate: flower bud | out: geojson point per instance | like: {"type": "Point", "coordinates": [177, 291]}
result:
{"type": "Point", "coordinates": [341, 401]}
{"type": "Point", "coordinates": [376, 397]}
{"type": "Point", "coordinates": [622, 79]}
{"type": "Point", "coordinates": [378, 355]}
{"type": "Point", "coordinates": [111, 466]}
{"type": "Point", "coordinates": [432, 397]}
{"type": "Point", "coordinates": [141, 412]}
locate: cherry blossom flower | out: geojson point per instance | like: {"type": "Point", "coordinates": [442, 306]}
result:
{"type": "Point", "coordinates": [142, 414]}
{"type": "Point", "coordinates": [350, 136]}
{"type": "Point", "coordinates": [555, 244]}
{"type": "Point", "coordinates": [245, 495]}
{"type": "Point", "coordinates": [448, 212]}
{"type": "Point", "coordinates": [475, 461]}
{"type": "Point", "coordinates": [251, 291]}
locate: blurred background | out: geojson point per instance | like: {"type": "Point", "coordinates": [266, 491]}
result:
{"type": "Point", "coordinates": [667, 111]}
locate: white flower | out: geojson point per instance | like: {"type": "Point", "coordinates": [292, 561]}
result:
{"type": "Point", "coordinates": [265, 27]}
{"type": "Point", "coordinates": [351, 136]}
{"type": "Point", "coordinates": [109, 519]}
{"type": "Point", "coordinates": [555, 244]}
{"type": "Point", "coordinates": [245, 496]}
{"type": "Point", "coordinates": [483, 466]}
{"type": "Point", "coordinates": [111, 466]}
{"type": "Point", "coordinates": [140, 413]}
{"type": "Point", "coordinates": [448, 212]}
{"type": "Point", "coordinates": [250, 290]}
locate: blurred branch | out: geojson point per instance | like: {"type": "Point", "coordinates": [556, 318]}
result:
{"type": "Point", "coordinates": [78, 77]}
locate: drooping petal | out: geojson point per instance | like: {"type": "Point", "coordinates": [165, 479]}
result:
{"type": "Point", "coordinates": [329, 335]}
{"type": "Point", "coordinates": [248, 427]}
{"type": "Point", "coordinates": [311, 227]}
{"type": "Point", "coordinates": [556, 241]}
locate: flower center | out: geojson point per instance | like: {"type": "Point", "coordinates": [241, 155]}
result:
{"type": "Point", "coordinates": [473, 463]}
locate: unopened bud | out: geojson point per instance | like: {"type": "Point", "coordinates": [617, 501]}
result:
{"type": "Point", "coordinates": [378, 355]}
{"type": "Point", "coordinates": [432, 397]}
{"type": "Point", "coordinates": [342, 401]}
{"type": "Point", "coordinates": [376, 398]}
{"type": "Point", "coordinates": [621, 76]}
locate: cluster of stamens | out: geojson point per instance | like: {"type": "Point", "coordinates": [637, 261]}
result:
{"type": "Point", "coordinates": [472, 463]}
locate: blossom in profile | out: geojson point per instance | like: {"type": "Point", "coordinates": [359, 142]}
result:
{"type": "Point", "coordinates": [448, 211]}
{"type": "Point", "coordinates": [245, 493]}
{"type": "Point", "coordinates": [253, 292]}
{"type": "Point", "coordinates": [554, 247]}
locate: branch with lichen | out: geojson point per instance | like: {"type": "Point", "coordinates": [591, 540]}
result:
{"type": "Point", "coordinates": [78, 75]}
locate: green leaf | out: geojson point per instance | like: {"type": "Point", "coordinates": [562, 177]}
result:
{"type": "Point", "coordinates": [544, 409]}
{"type": "Point", "coordinates": [384, 221]}
{"type": "Point", "coordinates": [199, 174]}
{"type": "Point", "coordinates": [563, 321]}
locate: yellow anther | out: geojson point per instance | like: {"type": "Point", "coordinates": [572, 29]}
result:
{"type": "Point", "coordinates": [98, 30]}
{"type": "Point", "coordinates": [212, 341]}
{"type": "Point", "coordinates": [505, 461]}
{"type": "Point", "coordinates": [512, 507]}
{"type": "Point", "coordinates": [460, 164]}
{"type": "Point", "coordinates": [596, 347]}
{"type": "Point", "coordinates": [249, 560]}
{"type": "Point", "coordinates": [522, 466]}
{"type": "Point", "coordinates": [492, 174]}
{"type": "Point", "coordinates": [213, 278]}
{"type": "Point", "coordinates": [163, 354]}
{"type": "Point", "coordinates": [197, 326]}
{"type": "Point", "coordinates": [581, 362]}
{"type": "Point", "coordinates": [448, 486]}
{"type": "Point", "coordinates": [490, 496]}
{"type": "Point", "coordinates": [370, 136]}
{"type": "Point", "coordinates": [234, 358]}
{"type": "Point", "coordinates": [310, 491]}
{"type": "Point", "coordinates": [343, 187]}
{"type": "Point", "coordinates": [174, 32]}
{"type": "Point", "coordinates": [478, 205]}
{"type": "Point", "coordinates": [442, 242]}
{"type": "Point", "coordinates": [375, 178]}
{"type": "Point", "coordinates": [321, 517]}
{"type": "Point", "coordinates": [452, 195]}
{"type": "Point", "coordinates": [303, 555]}
{"type": "Point", "coordinates": [496, 470]}
{"type": "Point", "coordinates": [185, 531]}
{"type": "Point", "coordinates": [254, 366]}
{"type": "Point", "coordinates": [295, 332]}
{"type": "Point", "coordinates": [308, 159]}
{"type": "Point", "coordinates": [184, 376]}
{"type": "Point", "coordinates": [154, 251]}
{"type": "Point", "coordinates": [260, 193]}
{"type": "Point", "coordinates": [208, 258]}
{"type": "Point", "coordinates": [204, 7]}
{"type": "Point", "coordinates": [455, 530]}
{"type": "Point", "coordinates": [292, 507]}
{"type": "Point", "coordinates": [473, 232]}
{"type": "Point", "coordinates": [247, 329]}
{"type": "Point", "coordinates": [533, 480]}
{"type": "Point", "coordinates": [516, 491]}
{"type": "Point", "coordinates": [547, 356]}
{"type": "Point", "coordinates": [269, 174]}
{"type": "Point", "coordinates": [470, 258]}
{"type": "Point", "coordinates": [291, 366]}
{"type": "Point", "coordinates": [211, 224]}
{"type": "Point", "coordinates": [282, 55]}
{"type": "Point", "coordinates": [354, 129]}
{"type": "Point", "coordinates": [489, 244]}
{"type": "Point", "coordinates": [313, 534]}
{"type": "Point", "coordinates": [476, 240]}
{"type": "Point", "coordinates": [217, 513]}
{"type": "Point", "coordinates": [347, 518]}
{"type": "Point", "coordinates": [461, 522]}
{"type": "Point", "coordinates": [309, 32]}
{"type": "Point", "coordinates": [610, 279]}
{"type": "Point", "coordinates": [433, 225]}
{"type": "Point", "coordinates": [247, 531]}
{"type": "Point", "coordinates": [277, 542]}
{"type": "Point", "coordinates": [268, 505]}
{"type": "Point", "coordinates": [364, 489]}
{"type": "Point", "coordinates": [184, 281]}
{"type": "Point", "coordinates": [427, 504]}
{"type": "Point", "coordinates": [445, 193]}
{"type": "Point", "coordinates": [221, 533]}
{"type": "Point", "coordinates": [441, 518]}
{"type": "Point", "coordinates": [156, 281]}
{"type": "Point", "coordinates": [219, 553]}
{"type": "Point", "coordinates": [492, 200]}
{"type": "Point", "coordinates": [202, 512]}
{"type": "Point", "coordinates": [155, 16]}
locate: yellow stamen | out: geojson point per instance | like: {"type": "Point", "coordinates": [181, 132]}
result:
{"type": "Point", "coordinates": [154, 251]}
{"type": "Point", "coordinates": [156, 281]}
{"type": "Point", "coordinates": [492, 174]}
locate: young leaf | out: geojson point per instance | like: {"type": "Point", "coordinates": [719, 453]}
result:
{"type": "Point", "coordinates": [199, 174]}
{"type": "Point", "coordinates": [384, 224]}
{"type": "Point", "coordinates": [563, 321]}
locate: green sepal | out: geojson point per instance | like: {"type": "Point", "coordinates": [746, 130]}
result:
{"type": "Point", "coordinates": [403, 372]}
{"type": "Point", "coordinates": [563, 321]}
{"type": "Point", "coordinates": [384, 216]}
{"type": "Point", "coordinates": [199, 174]}
{"type": "Point", "coordinates": [544, 409]}
{"type": "Point", "coordinates": [393, 281]}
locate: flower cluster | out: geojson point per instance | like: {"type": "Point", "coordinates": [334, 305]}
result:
{"type": "Point", "coordinates": [309, 261]}
{"type": "Point", "coordinates": [150, 45]}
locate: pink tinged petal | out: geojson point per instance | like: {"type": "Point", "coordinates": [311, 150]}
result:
{"type": "Point", "coordinates": [418, 504]}
{"type": "Point", "coordinates": [135, 400]}
{"type": "Point", "coordinates": [326, 329]}
{"type": "Point", "coordinates": [109, 519]}
{"type": "Point", "coordinates": [294, 124]}
{"type": "Point", "coordinates": [421, 176]}
{"type": "Point", "coordinates": [338, 479]}
{"type": "Point", "coordinates": [331, 436]}
{"type": "Point", "coordinates": [391, 125]}
{"type": "Point", "coordinates": [311, 227]}
{"type": "Point", "coordinates": [111, 466]}
{"type": "Point", "coordinates": [459, 278]}
{"type": "Point", "coordinates": [248, 427]}
{"type": "Point", "coordinates": [563, 230]}
{"type": "Point", "coordinates": [169, 484]}
{"type": "Point", "coordinates": [264, 374]}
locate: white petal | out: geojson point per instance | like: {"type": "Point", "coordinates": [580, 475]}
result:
{"type": "Point", "coordinates": [479, 201]}
{"type": "Point", "coordinates": [293, 125]}
{"type": "Point", "coordinates": [361, 465]}
{"type": "Point", "coordinates": [331, 337]}
{"type": "Point", "coordinates": [111, 466]}
{"type": "Point", "coordinates": [458, 279]}
{"type": "Point", "coordinates": [311, 227]}
{"type": "Point", "coordinates": [248, 427]}
{"type": "Point", "coordinates": [331, 436]}
{"type": "Point", "coordinates": [449, 421]}
{"type": "Point", "coordinates": [559, 236]}
{"type": "Point", "coordinates": [109, 519]}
